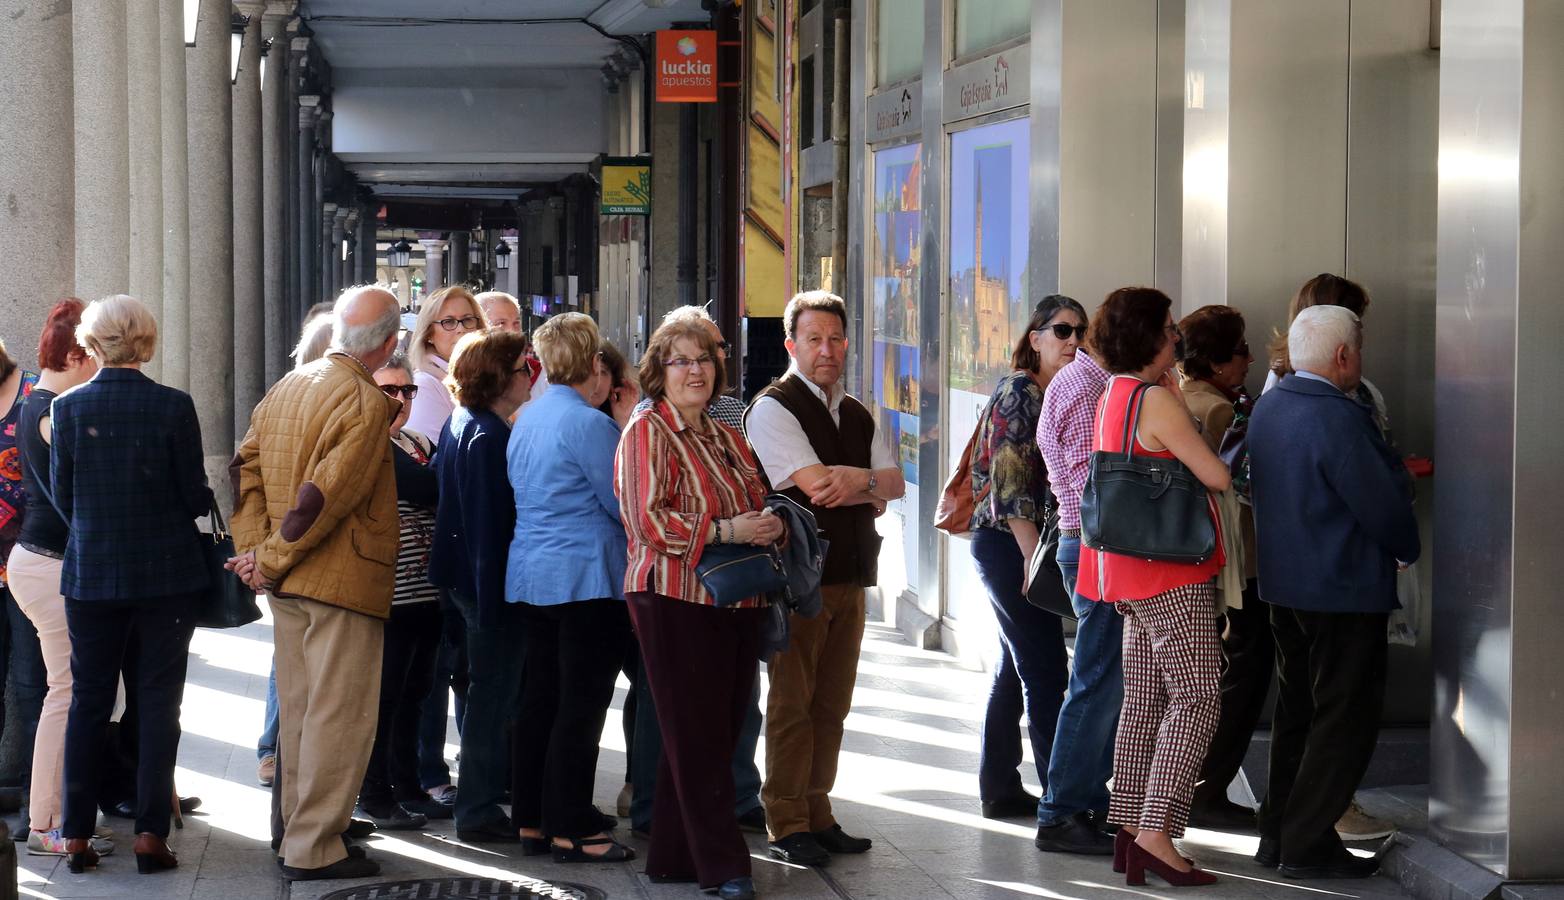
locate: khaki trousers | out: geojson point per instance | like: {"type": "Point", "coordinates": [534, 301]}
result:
{"type": "Point", "coordinates": [328, 699]}
{"type": "Point", "coordinates": [35, 583]}
{"type": "Point", "coordinates": [811, 693]}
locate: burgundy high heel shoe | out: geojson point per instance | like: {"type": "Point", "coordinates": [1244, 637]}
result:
{"type": "Point", "coordinates": [1121, 841]}
{"type": "Point", "coordinates": [79, 855]}
{"type": "Point", "coordinates": [1138, 861]}
{"type": "Point", "coordinates": [153, 855]}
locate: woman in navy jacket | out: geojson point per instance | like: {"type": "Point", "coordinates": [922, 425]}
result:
{"type": "Point", "coordinates": [128, 480]}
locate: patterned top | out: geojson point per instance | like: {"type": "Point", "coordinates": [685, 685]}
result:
{"type": "Point", "coordinates": [727, 409]}
{"type": "Point", "coordinates": [1064, 432]}
{"type": "Point", "coordinates": [416, 533]}
{"type": "Point", "coordinates": [13, 498]}
{"type": "Point", "coordinates": [1007, 457]}
{"type": "Point", "coordinates": [673, 480]}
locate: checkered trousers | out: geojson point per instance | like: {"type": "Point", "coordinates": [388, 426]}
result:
{"type": "Point", "coordinates": [1172, 670]}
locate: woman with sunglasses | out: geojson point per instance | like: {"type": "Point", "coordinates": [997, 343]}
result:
{"type": "Point", "coordinates": [1006, 526]}
{"type": "Point", "coordinates": [391, 796]}
{"type": "Point", "coordinates": [447, 316]}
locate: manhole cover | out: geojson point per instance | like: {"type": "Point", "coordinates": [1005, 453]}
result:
{"type": "Point", "coordinates": [469, 889]}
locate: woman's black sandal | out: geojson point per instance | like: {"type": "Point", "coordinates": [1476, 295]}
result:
{"type": "Point", "coordinates": [575, 854]}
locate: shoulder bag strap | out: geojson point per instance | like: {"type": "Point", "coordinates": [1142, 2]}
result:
{"type": "Point", "coordinates": [1132, 417]}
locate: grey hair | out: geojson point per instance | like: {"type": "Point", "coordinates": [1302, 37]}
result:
{"type": "Point", "coordinates": [358, 340]}
{"type": "Point", "coordinates": [690, 313]}
{"type": "Point", "coordinates": [399, 360]}
{"type": "Point", "coordinates": [1313, 337]}
{"type": "Point", "coordinates": [314, 341]}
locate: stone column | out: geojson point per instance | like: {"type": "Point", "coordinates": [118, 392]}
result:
{"type": "Point", "coordinates": [144, 87]}
{"type": "Point", "coordinates": [210, 111]}
{"type": "Point", "coordinates": [249, 334]}
{"type": "Point", "coordinates": [174, 327]}
{"type": "Point", "coordinates": [307, 242]}
{"type": "Point", "coordinates": [36, 178]}
{"type": "Point", "coordinates": [368, 243]}
{"type": "Point", "coordinates": [328, 253]}
{"type": "Point", "coordinates": [341, 226]}
{"type": "Point", "coordinates": [461, 270]}
{"type": "Point", "coordinates": [275, 130]}
{"type": "Point", "coordinates": [434, 274]}
{"type": "Point", "coordinates": [102, 151]}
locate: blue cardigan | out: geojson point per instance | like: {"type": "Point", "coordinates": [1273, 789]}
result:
{"type": "Point", "coordinates": [1332, 504]}
{"type": "Point", "coordinates": [475, 516]}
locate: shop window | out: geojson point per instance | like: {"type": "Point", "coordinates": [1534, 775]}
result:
{"type": "Point", "coordinates": [981, 24]}
{"type": "Point", "coordinates": [898, 40]}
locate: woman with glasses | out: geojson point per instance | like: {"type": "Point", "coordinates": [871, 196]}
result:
{"type": "Point", "coordinates": [391, 796]}
{"type": "Point", "coordinates": [1006, 526]}
{"type": "Point", "coordinates": [448, 315]}
{"type": "Point", "coordinates": [686, 482]}
{"type": "Point", "coordinates": [474, 521]}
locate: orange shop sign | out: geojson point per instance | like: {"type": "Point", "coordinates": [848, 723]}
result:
{"type": "Point", "coordinates": [686, 67]}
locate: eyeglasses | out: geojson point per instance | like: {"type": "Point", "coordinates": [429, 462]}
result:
{"type": "Point", "coordinates": [1063, 331]}
{"type": "Point", "coordinates": [408, 391]}
{"type": "Point", "coordinates": [684, 363]}
{"type": "Point", "coordinates": [465, 323]}
{"type": "Point", "coordinates": [1242, 350]}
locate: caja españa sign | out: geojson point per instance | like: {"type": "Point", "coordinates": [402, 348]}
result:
{"type": "Point", "coordinates": [686, 67]}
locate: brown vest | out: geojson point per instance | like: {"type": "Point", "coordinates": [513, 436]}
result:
{"type": "Point", "coordinates": [853, 556]}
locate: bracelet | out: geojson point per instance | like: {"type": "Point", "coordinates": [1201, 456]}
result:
{"type": "Point", "coordinates": [717, 524]}
{"type": "Point", "coordinates": [732, 531]}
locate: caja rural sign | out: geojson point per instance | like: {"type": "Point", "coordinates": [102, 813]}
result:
{"type": "Point", "coordinates": [686, 67]}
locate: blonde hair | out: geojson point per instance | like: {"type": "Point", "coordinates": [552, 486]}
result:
{"type": "Point", "coordinates": [418, 348]}
{"type": "Point", "coordinates": [117, 330]}
{"type": "Point", "coordinates": [567, 345]}
{"type": "Point", "coordinates": [314, 341]}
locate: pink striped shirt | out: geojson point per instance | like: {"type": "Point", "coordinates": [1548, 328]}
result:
{"type": "Point", "coordinates": [673, 479]}
{"type": "Point", "coordinates": [1064, 431]}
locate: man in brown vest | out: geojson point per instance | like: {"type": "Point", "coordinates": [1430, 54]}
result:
{"type": "Point", "coordinates": [822, 448]}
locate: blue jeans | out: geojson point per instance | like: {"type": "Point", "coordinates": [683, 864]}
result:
{"type": "Point", "coordinates": [494, 667]}
{"type": "Point", "coordinates": [267, 745]}
{"type": "Point", "coordinates": [1029, 675]}
{"type": "Point", "coordinates": [1083, 744]}
{"type": "Point", "coordinates": [23, 665]}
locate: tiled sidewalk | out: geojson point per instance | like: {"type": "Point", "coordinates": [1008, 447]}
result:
{"type": "Point", "coordinates": [907, 781]}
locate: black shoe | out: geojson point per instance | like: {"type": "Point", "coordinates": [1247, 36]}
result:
{"type": "Point", "coordinates": [1077, 834]}
{"type": "Point", "coordinates": [358, 829]}
{"type": "Point", "coordinates": [188, 805]}
{"type": "Point", "coordinates": [835, 840]}
{"type": "Point", "coordinates": [754, 821]}
{"type": "Point", "coordinates": [1222, 815]}
{"type": "Point", "coordinates": [1344, 866]}
{"type": "Point", "coordinates": [608, 822]}
{"type": "Point", "coordinates": [122, 809]}
{"type": "Point", "coordinates": [1100, 819]}
{"type": "Point", "coordinates": [429, 808]}
{"type": "Point", "coordinates": [1021, 806]}
{"type": "Point", "coordinates": [734, 889]}
{"type": "Point", "coordinates": [1270, 852]}
{"type": "Point", "coordinates": [800, 848]}
{"type": "Point", "coordinates": [492, 833]}
{"type": "Point", "coordinates": [351, 867]}
{"type": "Point", "coordinates": [391, 817]}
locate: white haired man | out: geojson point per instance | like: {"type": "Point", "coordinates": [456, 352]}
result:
{"type": "Point", "coordinates": [315, 522]}
{"type": "Point", "coordinates": [1333, 522]}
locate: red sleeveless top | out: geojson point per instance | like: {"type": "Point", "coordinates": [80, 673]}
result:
{"type": "Point", "coordinates": [1110, 577]}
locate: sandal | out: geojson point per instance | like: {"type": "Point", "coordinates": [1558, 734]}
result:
{"type": "Point", "coordinates": [575, 854]}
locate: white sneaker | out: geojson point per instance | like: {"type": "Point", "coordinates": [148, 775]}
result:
{"type": "Point", "coordinates": [1357, 825]}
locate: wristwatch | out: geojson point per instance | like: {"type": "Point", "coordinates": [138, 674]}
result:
{"type": "Point", "coordinates": [873, 482]}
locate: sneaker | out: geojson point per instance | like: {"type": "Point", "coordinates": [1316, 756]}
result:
{"type": "Point", "coordinates": [266, 772]}
{"type": "Point", "coordinates": [1357, 825]}
{"type": "Point", "coordinates": [50, 843]}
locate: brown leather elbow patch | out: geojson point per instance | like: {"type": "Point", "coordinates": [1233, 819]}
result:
{"type": "Point", "coordinates": [306, 509]}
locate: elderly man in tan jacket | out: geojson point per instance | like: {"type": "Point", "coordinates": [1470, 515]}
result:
{"type": "Point", "coordinates": [315, 522]}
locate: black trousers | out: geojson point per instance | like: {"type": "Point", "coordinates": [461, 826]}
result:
{"type": "Point", "coordinates": [1248, 659]}
{"type": "Point", "coordinates": [1331, 680]}
{"type": "Point", "coordinates": [153, 638]}
{"type": "Point", "coordinates": [574, 652]}
{"type": "Point", "coordinates": [412, 642]}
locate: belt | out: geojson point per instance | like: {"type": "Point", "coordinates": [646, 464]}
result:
{"type": "Point", "coordinates": [1070, 532]}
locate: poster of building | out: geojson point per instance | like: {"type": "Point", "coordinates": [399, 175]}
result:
{"type": "Point", "coordinates": [894, 260]}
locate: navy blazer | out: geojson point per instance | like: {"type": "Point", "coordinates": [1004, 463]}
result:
{"type": "Point", "coordinates": [128, 479]}
{"type": "Point", "coordinates": [1332, 503]}
{"type": "Point", "coordinates": [477, 511]}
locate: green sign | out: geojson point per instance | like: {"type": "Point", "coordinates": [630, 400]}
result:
{"type": "Point", "coordinates": [627, 186]}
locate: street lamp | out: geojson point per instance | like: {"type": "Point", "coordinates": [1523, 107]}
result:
{"type": "Point", "coordinates": [502, 257]}
{"type": "Point", "coordinates": [475, 253]}
{"type": "Point", "coordinates": [400, 254]}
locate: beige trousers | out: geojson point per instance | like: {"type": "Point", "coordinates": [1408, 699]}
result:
{"type": "Point", "coordinates": [328, 700]}
{"type": "Point", "coordinates": [35, 583]}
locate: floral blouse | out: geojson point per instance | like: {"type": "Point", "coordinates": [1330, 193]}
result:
{"type": "Point", "coordinates": [1006, 458]}
{"type": "Point", "coordinates": [13, 500]}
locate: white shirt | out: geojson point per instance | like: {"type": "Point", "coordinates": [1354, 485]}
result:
{"type": "Point", "coordinates": [782, 446]}
{"type": "Point", "coordinates": [434, 402]}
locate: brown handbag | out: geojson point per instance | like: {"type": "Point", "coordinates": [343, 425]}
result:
{"type": "Point", "coordinates": [953, 515]}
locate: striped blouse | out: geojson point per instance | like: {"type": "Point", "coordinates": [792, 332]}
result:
{"type": "Point", "coordinates": [673, 480]}
{"type": "Point", "coordinates": [416, 534]}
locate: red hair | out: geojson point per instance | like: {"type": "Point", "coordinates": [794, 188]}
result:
{"type": "Point", "coordinates": [57, 345]}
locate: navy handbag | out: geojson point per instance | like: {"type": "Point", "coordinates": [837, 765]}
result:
{"type": "Point", "coordinates": [732, 573]}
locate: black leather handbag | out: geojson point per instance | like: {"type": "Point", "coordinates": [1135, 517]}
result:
{"type": "Point", "coordinates": [1145, 506]}
{"type": "Point", "coordinates": [228, 601]}
{"type": "Point", "coordinates": [732, 573]}
{"type": "Point", "coordinates": [1045, 583]}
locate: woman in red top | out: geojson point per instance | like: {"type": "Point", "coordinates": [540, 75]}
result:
{"type": "Point", "coordinates": [1171, 655]}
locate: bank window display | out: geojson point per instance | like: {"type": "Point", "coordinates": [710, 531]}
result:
{"type": "Point", "coordinates": [894, 265]}
{"type": "Point", "coordinates": [987, 300]}
{"type": "Point", "coordinates": [898, 40]}
{"type": "Point", "coordinates": [981, 24]}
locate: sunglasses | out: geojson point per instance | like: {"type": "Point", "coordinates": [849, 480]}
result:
{"type": "Point", "coordinates": [1063, 331]}
{"type": "Point", "coordinates": [407, 391]}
